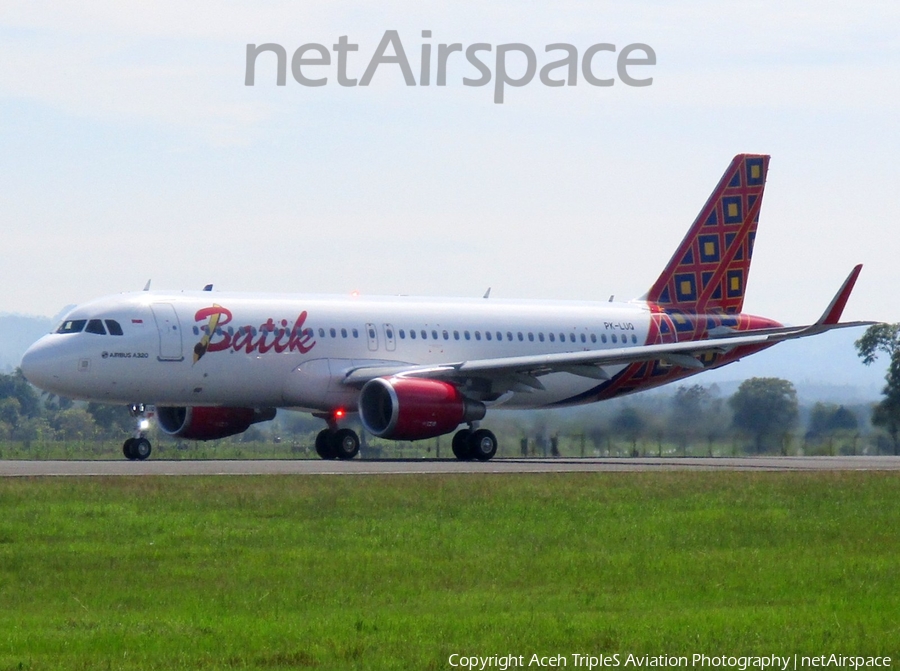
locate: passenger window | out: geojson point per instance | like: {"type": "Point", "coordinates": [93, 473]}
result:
{"type": "Point", "coordinates": [477, 335]}
{"type": "Point", "coordinates": [562, 337]}
{"type": "Point", "coordinates": [402, 334]}
{"type": "Point", "coordinates": [95, 326]}
{"type": "Point", "coordinates": [634, 339]}
{"type": "Point", "coordinates": [521, 337]}
{"type": "Point", "coordinates": [499, 335]}
{"type": "Point", "coordinates": [434, 335]}
{"type": "Point", "coordinates": [614, 337]}
{"type": "Point", "coordinates": [552, 338]}
{"type": "Point", "coordinates": [446, 335]}
{"type": "Point", "coordinates": [583, 338]}
{"type": "Point", "coordinates": [412, 335]}
{"type": "Point", "coordinates": [372, 334]}
{"type": "Point", "coordinates": [572, 337]}
{"type": "Point", "coordinates": [456, 335]}
{"type": "Point", "coordinates": [593, 337]}
{"type": "Point", "coordinates": [344, 333]}
{"type": "Point", "coordinates": [509, 335]}
{"type": "Point", "coordinates": [424, 334]}
{"type": "Point", "coordinates": [113, 327]}
{"type": "Point", "coordinates": [603, 338]}
{"type": "Point", "coordinates": [466, 334]}
{"type": "Point", "coordinates": [531, 337]}
{"type": "Point", "coordinates": [541, 337]}
{"type": "Point", "coordinates": [333, 333]}
{"type": "Point", "coordinates": [389, 333]}
{"type": "Point", "coordinates": [355, 333]}
{"type": "Point", "coordinates": [321, 333]}
{"type": "Point", "coordinates": [487, 334]}
{"type": "Point", "coordinates": [72, 326]}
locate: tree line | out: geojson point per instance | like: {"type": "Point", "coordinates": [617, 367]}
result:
{"type": "Point", "coordinates": [28, 416]}
{"type": "Point", "coordinates": [763, 415]}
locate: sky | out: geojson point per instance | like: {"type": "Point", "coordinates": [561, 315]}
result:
{"type": "Point", "coordinates": [131, 149]}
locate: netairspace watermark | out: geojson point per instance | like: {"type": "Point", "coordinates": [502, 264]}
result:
{"type": "Point", "coordinates": [598, 63]}
{"type": "Point", "coordinates": [602, 661]}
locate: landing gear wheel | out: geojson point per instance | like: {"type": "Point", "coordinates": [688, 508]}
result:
{"type": "Point", "coordinates": [345, 444]}
{"type": "Point", "coordinates": [128, 449]}
{"type": "Point", "coordinates": [461, 448]}
{"type": "Point", "coordinates": [141, 448]}
{"type": "Point", "coordinates": [483, 445]}
{"type": "Point", "coordinates": [324, 446]}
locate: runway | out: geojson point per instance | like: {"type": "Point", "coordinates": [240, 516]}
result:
{"type": "Point", "coordinates": [438, 466]}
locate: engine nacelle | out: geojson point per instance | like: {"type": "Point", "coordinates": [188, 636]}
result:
{"type": "Point", "coordinates": [202, 423]}
{"type": "Point", "coordinates": [405, 408]}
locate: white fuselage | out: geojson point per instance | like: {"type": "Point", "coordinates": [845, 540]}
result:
{"type": "Point", "coordinates": [294, 350]}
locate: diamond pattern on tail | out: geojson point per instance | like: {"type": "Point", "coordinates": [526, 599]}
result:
{"type": "Point", "coordinates": [708, 273]}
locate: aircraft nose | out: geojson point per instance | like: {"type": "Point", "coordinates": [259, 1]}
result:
{"type": "Point", "coordinates": [40, 365]}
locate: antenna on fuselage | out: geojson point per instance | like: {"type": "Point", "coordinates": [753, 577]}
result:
{"type": "Point", "coordinates": [147, 286]}
{"type": "Point", "coordinates": [612, 297]}
{"type": "Point", "coordinates": [208, 287]}
{"type": "Point", "coordinates": [487, 294]}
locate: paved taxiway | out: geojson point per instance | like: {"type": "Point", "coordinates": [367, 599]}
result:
{"type": "Point", "coordinates": [437, 466]}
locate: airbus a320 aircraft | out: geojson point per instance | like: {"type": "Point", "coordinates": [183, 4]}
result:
{"type": "Point", "coordinates": [208, 365]}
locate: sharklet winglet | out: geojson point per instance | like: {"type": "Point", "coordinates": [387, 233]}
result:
{"type": "Point", "coordinates": [832, 314]}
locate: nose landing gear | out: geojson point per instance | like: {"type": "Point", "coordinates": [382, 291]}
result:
{"type": "Point", "coordinates": [138, 448]}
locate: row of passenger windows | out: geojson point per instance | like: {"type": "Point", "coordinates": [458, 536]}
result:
{"type": "Point", "coordinates": [510, 337]}
{"type": "Point", "coordinates": [333, 333]}
{"type": "Point", "coordinates": [91, 326]}
{"type": "Point", "coordinates": [423, 334]}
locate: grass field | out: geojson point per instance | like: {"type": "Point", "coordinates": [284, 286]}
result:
{"type": "Point", "coordinates": [398, 572]}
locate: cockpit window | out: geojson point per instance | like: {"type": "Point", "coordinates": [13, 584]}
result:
{"type": "Point", "coordinates": [113, 327]}
{"type": "Point", "coordinates": [72, 326]}
{"type": "Point", "coordinates": [95, 326]}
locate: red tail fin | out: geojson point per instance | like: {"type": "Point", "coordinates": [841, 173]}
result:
{"type": "Point", "coordinates": [708, 272]}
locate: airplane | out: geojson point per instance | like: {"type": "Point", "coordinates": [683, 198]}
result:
{"type": "Point", "coordinates": [207, 365]}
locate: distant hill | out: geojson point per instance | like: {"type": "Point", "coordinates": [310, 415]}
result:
{"type": "Point", "coordinates": [18, 333]}
{"type": "Point", "coordinates": [822, 368]}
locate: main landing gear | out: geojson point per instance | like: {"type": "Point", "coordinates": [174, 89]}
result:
{"type": "Point", "coordinates": [335, 443]}
{"type": "Point", "coordinates": [138, 448]}
{"type": "Point", "coordinates": [470, 444]}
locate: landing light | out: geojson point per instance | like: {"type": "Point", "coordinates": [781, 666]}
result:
{"type": "Point", "coordinates": [354, 294]}
{"type": "Point", "coordinates": [144, 424]}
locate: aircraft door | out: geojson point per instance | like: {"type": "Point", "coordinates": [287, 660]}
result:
{"type": "Point", "coordinates": [372, 337]}
{"type": "Point", "coordinates": [390, 342]}
{"type": "Point", "coordinates": [169, 328]}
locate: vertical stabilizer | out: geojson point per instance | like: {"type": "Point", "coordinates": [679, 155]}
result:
{"type": "Point", "coordinates": [708, 273]}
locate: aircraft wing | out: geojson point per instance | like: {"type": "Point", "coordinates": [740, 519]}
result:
{"type": "Point", "coordinates": [521, 373]}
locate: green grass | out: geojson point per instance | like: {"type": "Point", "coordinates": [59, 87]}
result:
{"type": "Point", "coordinates": [398, 572]}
